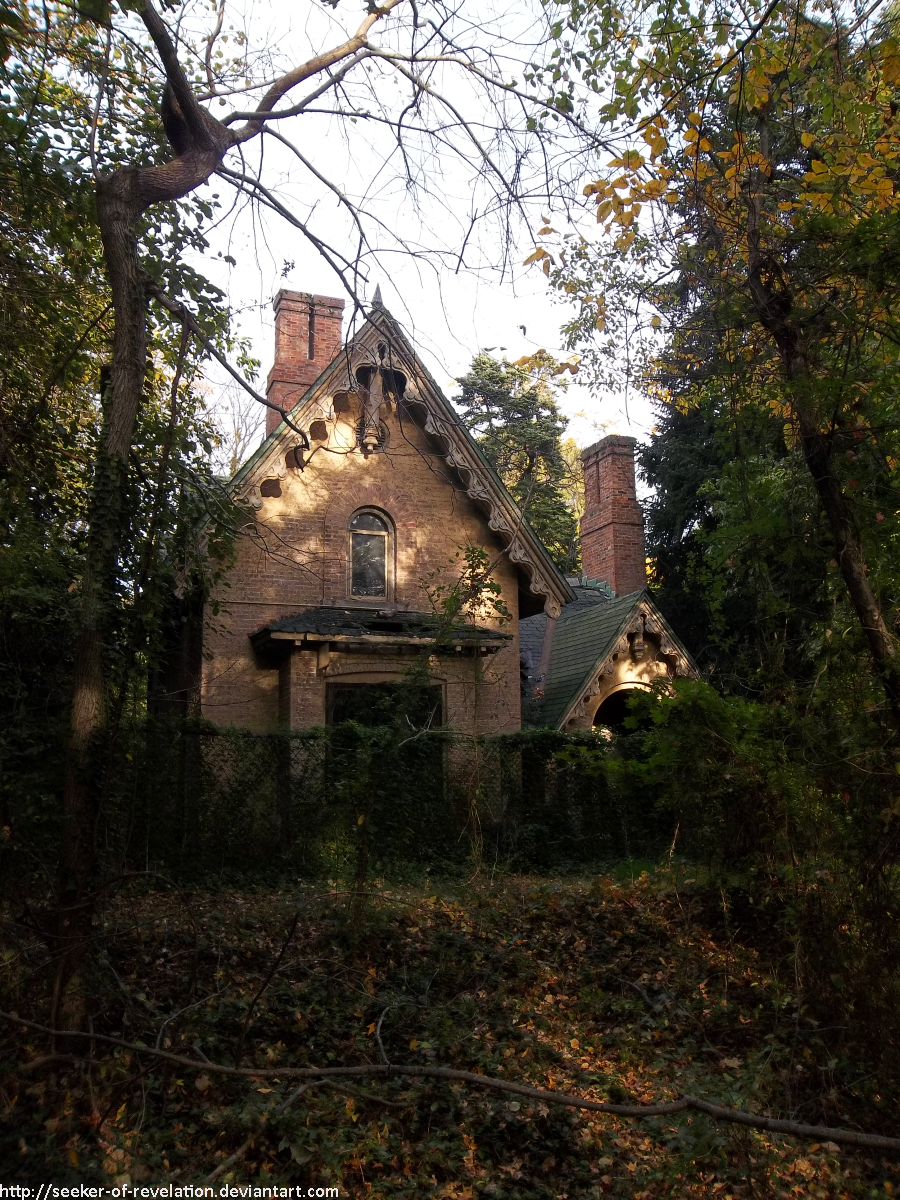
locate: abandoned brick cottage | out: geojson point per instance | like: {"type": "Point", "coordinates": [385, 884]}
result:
{"type": "Point", "coordinates": [371, 503]}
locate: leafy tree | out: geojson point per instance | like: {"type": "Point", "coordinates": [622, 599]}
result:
{"type": "Point", "coordinates": [751, 204]}
{"type": "Point", "coordinates": [91, 88]}
{"type": "Point", "coordinates": [741, 553]}
{"type": "Point", "coordinates": [746, 254]}
{"type": "Point", "coordinates": [54, 343]}
{"type": "Point", "coordinates": [512, 411]}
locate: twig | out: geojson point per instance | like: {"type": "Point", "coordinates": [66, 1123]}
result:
{"type": "Point", "coordinates": [242, 1149]}
{"type": "Point", "coordinates": [822, 1133]}
{"type": "Point", "coordinates": [651, 1004]}
{"type": "Point", "coordinates": [282, 1108]}
{"type": "Point", "coordinates": [188, 318]}
{"type": "Point", "coordinates": [265, 983]}
{"type": "Point", "coordinates": [384, 1057]}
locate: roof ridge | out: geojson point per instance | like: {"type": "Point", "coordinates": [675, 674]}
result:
{"type": "Point", "coordinates": [444, 423]}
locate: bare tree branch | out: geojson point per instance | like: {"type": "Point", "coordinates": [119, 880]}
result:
{"type": "Point", "coordinates": [665, 1108]}
{"type": "Point", "coordinates": [313, 67]}
{"type": "Point", "coordinates": [187, 317]}
{"type": "Point", "coordinates": [280, 113]}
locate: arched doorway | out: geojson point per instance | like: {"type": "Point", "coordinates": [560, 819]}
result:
{"type": "Point", "coordinates": [613, 709]}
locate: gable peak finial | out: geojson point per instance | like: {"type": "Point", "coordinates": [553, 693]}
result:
{"type": "Point", "coordinates": [377, 301]}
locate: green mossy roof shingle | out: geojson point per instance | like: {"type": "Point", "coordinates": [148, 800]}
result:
{"type": "Point", "coordinates": [581, 641]}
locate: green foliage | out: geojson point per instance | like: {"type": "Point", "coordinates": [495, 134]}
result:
{"type": "Point", "coordinates": [55, 344]}
{"type": "Point", "coordinates": [746, 248]}
{"type": "Point", "coordinates": [742, 560]}
{"type": "Point", "coordinates": [474, 594]}
{"type": "Point", "coordinates": [511, 410]}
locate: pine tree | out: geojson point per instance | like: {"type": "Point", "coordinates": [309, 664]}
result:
{"type": "Point", "coordinates": [511, 410]}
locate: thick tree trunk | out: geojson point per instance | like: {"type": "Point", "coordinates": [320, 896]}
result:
{"type": "Point", "coordinates": [200, 143]}
{"type": "Point", "coordinates": [849, 555]}
{"type": "Point", "coordinates": [121, 199]}
{"type": "Point", "coordinates": [118, 208]}
{"type": "Point", "coordinates": [773, 310]}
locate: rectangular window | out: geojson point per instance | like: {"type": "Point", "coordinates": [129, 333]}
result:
{"type": "Point", "coordinates": [369, 565]}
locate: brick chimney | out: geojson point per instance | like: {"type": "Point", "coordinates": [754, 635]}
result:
{"type": "Point", "coordinates": [612, 528]}
{"type": "Point", "coordinates": [307, 339]}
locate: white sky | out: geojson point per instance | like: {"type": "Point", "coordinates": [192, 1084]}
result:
{"type": "Point", "coordinates": [449, 316]}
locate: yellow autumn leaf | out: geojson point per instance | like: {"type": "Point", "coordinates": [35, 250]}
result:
{"type": "Point", "coordinates": [654, 189]}
{"type": "Point", "coordinates": [536, 257]}
{"type": "Point", "coordinates": [631, 160]}
{"type": "Point", "coordinates": [807, 139]}
{"type": "Point", "coordinates": [656, 323]}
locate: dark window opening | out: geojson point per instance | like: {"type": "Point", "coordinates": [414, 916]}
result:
{"type": "Point", "coordinates": [311, 343]}
{"type": "Point", "coordinates": [368, 555]}
{"type": "Point", "coordinates": [270, 487]}
{"type": "Point", "coordinates": [374, 704]}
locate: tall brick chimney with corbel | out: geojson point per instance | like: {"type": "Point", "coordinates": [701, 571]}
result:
{"type": "Point", "coordinates": [307, 339]}
{"type": "Point", "coordinates": [612, 528]}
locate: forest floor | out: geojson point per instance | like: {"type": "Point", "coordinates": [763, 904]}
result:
{"type": "Point", "coordinates": [613, 988]}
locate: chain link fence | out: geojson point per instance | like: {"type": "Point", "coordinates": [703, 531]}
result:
{"type": "Point", "coordinates": [205, 805]}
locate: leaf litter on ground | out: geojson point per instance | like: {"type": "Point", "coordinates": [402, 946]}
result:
{"type": "Point", "coordinates": [626, 992]}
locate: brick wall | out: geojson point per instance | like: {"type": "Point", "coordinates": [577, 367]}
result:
{"type": "Point", "coordinates": [296, 557]}
{"type": "Point", "coordinates": [612, 528]}
{"type": "Point", "coordinates": [307, 338]}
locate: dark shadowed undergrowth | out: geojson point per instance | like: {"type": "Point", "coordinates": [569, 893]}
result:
{"type": "Point", "coordinates": [613, 987]}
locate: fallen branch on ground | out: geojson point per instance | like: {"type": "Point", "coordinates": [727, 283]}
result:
{"type": "Point", "coordinates": [735, 1116]}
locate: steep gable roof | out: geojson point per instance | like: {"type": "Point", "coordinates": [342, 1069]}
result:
{"type": "Point", "coordinates": [585, 637]}
{"type": "Point", "coordinates": [426, 403]}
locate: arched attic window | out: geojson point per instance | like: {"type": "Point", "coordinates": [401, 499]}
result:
{"type": "Point", "coordinates": [371, 555]}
